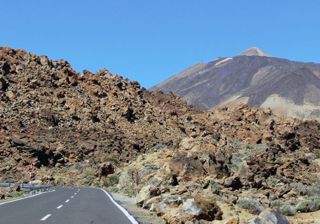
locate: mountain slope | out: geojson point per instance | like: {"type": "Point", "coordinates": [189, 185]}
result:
{"type": "Point", "coordinates": [253, 77]}
{"type": "Point", "coordinates": [100, 129]}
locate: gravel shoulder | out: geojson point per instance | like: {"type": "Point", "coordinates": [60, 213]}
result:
{"type": "Point", "coordinates": [143, 216]}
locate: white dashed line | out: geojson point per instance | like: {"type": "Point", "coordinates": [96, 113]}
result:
{"type": "Point", "coordinates": [75, 193]}
{"type": "Point", "coordinates": [71, 196]}
{"type": "Point", "coordinates": [59, 206]}
{"type": "Point", "coordinates": [67, 201]}
{"type": "Point", "coordinates": [44, 218]}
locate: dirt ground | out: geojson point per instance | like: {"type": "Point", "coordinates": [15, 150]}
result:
{"type": "Point", "coordinates": [143, 216]}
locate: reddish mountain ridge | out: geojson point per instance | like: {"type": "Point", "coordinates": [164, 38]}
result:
{"type": "Point", "coordinates": [291, 89]}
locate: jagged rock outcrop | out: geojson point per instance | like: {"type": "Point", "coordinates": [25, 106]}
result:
{"type": "Point", "coordinates": [57, 117]}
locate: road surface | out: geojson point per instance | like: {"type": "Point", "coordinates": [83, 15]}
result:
{"type": "Point", "coordinates": [65, 206]}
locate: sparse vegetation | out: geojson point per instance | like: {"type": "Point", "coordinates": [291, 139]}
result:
{"type": "Point", "coordinates": [71, 181]}
{"type": "Point", "coordinates": [169, 197]}
{"type": "Point", "coordinates": [114, 179]}
{"type": "Point", "coordinates": [311, 191]}
{"type": "Point", "coordinates": [15, 194]}
{"type": "Point", "coordinates": [112, 189]}
{"type": "Point", "coordinates": [286, 207]}
{"type": "Point", "coordinates": [250, 204]}
{"type": "Point", "coordinates": [10, 180]}
{"type": "Point", "coordinates": [78, 166]}
{"type": "Point", "coordinates": [168, 176]}
{"type": "Point", "coordinates": [59, 170]}
{"type": "Point", "coordinates": [271, 182]}
{"type": "Point", "coordinates": [216, 187]}
{"type": "Point", "coordinates": [89, 176]}
{"type": "Point", "coordinates": [317, 153]}
{"type": "Point", "coordinates": [130, 192]}
{"type": "Point", "coordinates": [241, 152]}
{"type": "Point", "coordinates": [214, 197]}
{"type": "Point", "coordinates": [290, 207]}
{"type": "Point", "coordinates": [112, 160]}
{"type": "Point", "coordinates": [308, 206]}
{"type": "Point", "coordinates": [111, 180]}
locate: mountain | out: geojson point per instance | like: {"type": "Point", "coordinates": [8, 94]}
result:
{"type": "Point", "coordinates": [184, 163]}
{"type": "Point", "coordinates": [253, 77]}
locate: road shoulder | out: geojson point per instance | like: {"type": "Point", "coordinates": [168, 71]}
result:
{"type": "Point", "coordinates": [143, 216]}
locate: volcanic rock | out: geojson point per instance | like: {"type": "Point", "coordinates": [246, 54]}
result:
{"type": "Point", "coordinates": [290, 89]}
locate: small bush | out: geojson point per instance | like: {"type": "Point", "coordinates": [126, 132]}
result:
{"type": "Point", "coordinates": [114, 179]}
{"type": "Point", "coordinates": [112, 160]}
{"type": "Point", "coordinates": [168, 176]}
{"type": "Point", "coordinates": [287, 210]}
{"type": "Point", "coordinates": [250, 204]}
{"type": "Point", "coordinates": [294, 185]}
{"type": "Point", "coordinates": [286, 207]}
{"type": "Point", "coordinates": [71, 181]}
{"type": "Point", "coordinates": [214, 197]}
{"type": "Point", "coordinates": [111, 180]}
{"type": "Point", "coordinates": [130, 192]}
{"type": "Point", "coordinates": [271, 182]}
{"type": "Point", "coordinates": [59, 170]}
{"type": "Point", "coordinates": [10, 180]}
{"type": "Point", "coordinates": [216, 187]}
{"type": "Point", "coordinates": [89, 176]}
{"type": "Point", "coordinates": [15, 194]}
{"type": "Point", "coordinates": [78, 166]}
{"type": "Point", "coordinates": [308, 206]}
{"type": "Point", "coordinates": [313, 190]}
{"type": "Point", "coordinates": [317, 153]}
{"type": "Point", "coordinates": [276, 203]}
{"type": "Point", "coordinates": [112, 189]}
{"type": "Point", "coordinates": [105, 183]}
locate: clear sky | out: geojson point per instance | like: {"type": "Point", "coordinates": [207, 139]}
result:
{"type": "Point", "coordinates": [151, 40]}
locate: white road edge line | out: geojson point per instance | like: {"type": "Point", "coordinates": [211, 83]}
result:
{"type": "Point", "coordinates": [59, 206]}
{"type": "Point", "coordinates": [19, 199]}
{"type": "Point", "coordinates": [125, 212]}
{"type": "Point", "coordinates": [67, 201]}
{"type": "Point", "coordinates": [44, 218]}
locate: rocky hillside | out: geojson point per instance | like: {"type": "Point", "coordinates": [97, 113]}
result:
{"type": "Point", "coordinates": [184, 163]}
{"type": "Point", "coordinates": [291, 89]}
{"type": "Point", "coordinates": [57, 117]}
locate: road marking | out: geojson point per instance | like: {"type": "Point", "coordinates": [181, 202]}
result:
{"type": "Point", "coordinates": [19, 199]}
{"type": "Point", "coordinates": [71, 196]}
{"type": "Point", "coordinates": [75, 193]}
{"type": "Point", "coordinates": [59, 206]}
{"type": "Point", "coordinates": [44, 218]}
{"type": "Point", "coordinates": [67, 201]}
{"type": "Point", "coordinates": [125, 212]}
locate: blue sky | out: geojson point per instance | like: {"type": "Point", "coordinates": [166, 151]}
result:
{"type": "Point", "coordinates": [151, 40]}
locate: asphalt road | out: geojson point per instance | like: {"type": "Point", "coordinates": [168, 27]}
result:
{"type": "Point", "coordinates": [65, 206]}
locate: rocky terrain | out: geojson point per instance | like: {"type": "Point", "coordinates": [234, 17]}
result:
{"type": "Point", "coordinates": [290, 89]}
{"type": "Point", "coordinates": [184, 164]}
